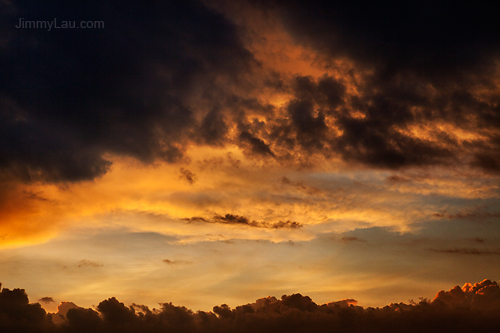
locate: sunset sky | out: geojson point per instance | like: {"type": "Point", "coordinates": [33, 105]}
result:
{"type": "Point", "coordinates": [209, 152]}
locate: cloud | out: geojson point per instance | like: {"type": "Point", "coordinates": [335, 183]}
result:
{"type": "Point", "coordinates": [472, 251]}
{"type": "Point", "coordinates": [64, 307]}
{"type": "Point", "coordinates": [82, 320]}
{"type": "Point", "coordinates": [473, 307]}
{"type": "Point", "coordinates": [187, 175]}
{"type": "Point", "coordinates": [310, 190]}
{"type": "Point", "coordinates": [473, 213]}
{"type": "Point", "coordinates": [242, 220]}
{"type": "Point", "coordinates": [195, 219]}
{"type": "Point", "coordinates": [116, 313]}
{"type": "Point", "coordinates": [487, 161]}
{"type": "Point", "coordinates": [436, 46]}
{"type": "Point", "coordinates": [65, 112]}
{"type": "Point", "coordinates": [18, 315]}
{"type": "Point", "coordinates": [352, 239]}
{"type": "Point", "coordinates": [88, 263]}
{"type": "Point", "coordinates": [176, 262]}
{"type": "Point", "coordinates": [62, 311]}
{"type": "Point", "coordinates": [46, 300]}
{"type": "Point", "coordinates": [283, 224]}
{"type": "Point", "coordinates": [422, 96]}
{"type": "Point", "coordinates": [396, 178]}
{"type": "Point", "coordinates": [257, 146]}
{"type": "Point", "coordinates": [232, 219]}
{"type": "Point", "coordinates": [408, 92]}
{"type": "Point", "coordinates": [481, 295]}
{"type": "Point", "coordinates": [343, 303]}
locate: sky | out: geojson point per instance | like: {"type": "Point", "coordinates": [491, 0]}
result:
{"type": "Point", "coordinates": [217, 152]}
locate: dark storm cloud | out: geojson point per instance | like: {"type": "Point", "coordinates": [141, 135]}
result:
{"type": "Point", "coordinates": [17, 315]}
{"type": "Point", "coordinates": [68, 96]}
{"type": "Point", "coordinates": [488, 161]}
{"type": "Point", "coordinates": [311, 131]}
{"type": "Point", "coordinates": [304, 126]}
{"type": "Point", "coordinates": [374, 139]}
{"type": "Point", "coordinates": [472, 308]}
{"type": "Point", "coordinates": [161, 76]}
{"type": "Point", "coordinates": [242, 220]}
{"type": "Point", "coordinates": [257, 146]}
{"type": "Point", "coordinates": [213, 128]}
{"type": "Point", "coordinates": [435, 39]}
{"type": "Point", "coordinates": [420, 62]}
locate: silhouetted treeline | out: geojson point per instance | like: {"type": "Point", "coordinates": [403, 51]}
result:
{"type": "Point", "coordinates": [472, 308]}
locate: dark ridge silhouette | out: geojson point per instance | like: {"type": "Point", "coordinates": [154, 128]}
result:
{"type": "Point", "coordinates": [472, 308]}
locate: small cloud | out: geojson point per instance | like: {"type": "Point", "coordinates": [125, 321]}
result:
{"type": "Point", "coordinates": [476, 213]}
{"type": "Point", "coordinates": [195, 219]}
{"type": "Point", "coordinates": [187, 175]}
{"type": "Point", "coordinates": [395, 178]}
{"type": "Point", "coordinates": [310, 190]}
{"type": "Point", "coordinates": [34, 195]}
{"type": "Point", "coordinates": [256, 145]}
{"type": "Point", "coordinates": [232, 219]}
{"type": "Point", "coordinates": [285, 224]}
{"type": "Point", "coordinates": [88, 263]}
{"type": "Point", "coordinates": [176, 262]}
{"type": "Point", "coordinates": [472, 251]}
{"type": "Point", "coordinates": [46, 300]}
{"type": "Point", "coordinates": [220, 238]}
{"type": "Point", "coordinates": [352, 239]}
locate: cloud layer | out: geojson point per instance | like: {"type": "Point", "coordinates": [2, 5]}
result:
{"type": "Point", "coordinates": [311, 146]}
{"type": "Point", "coordinates": [470, 308]}
{"type": "Point", "coordinates": [402, 86]}
{"type": "Point", "coordinates": [70, 96]}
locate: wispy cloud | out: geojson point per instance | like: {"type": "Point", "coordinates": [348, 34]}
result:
{"type": "Point", "coordinates": [88, 263]}
{"type": "Point", "coordinates": [242, 220]}
{"type": "Point", "coordinates": [471, 251]}
{"type": "Point", "coordinates": [176, 262]}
